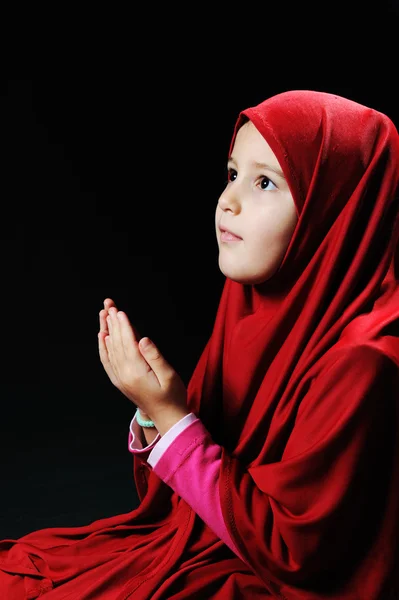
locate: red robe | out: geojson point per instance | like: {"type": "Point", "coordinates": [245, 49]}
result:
{"type": "Point", "coordinates": [298, 384]}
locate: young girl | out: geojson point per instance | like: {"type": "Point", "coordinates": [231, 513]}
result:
{"type": "Point", "coordinates": [275, 474]}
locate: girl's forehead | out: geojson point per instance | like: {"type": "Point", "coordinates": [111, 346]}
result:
{"type": "Point", "coordinates": [250, 142]}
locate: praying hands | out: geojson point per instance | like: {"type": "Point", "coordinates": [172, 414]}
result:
{"type": "Point", "coordinates": [137, 368]}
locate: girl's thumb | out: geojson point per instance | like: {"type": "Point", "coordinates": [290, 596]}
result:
{"type": "Point", "coordinates": [154, 358]}
{"type": "Point", "coordinates": [146, 344]}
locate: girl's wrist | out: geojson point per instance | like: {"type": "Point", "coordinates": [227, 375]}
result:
{"type": "Point", "coordinates": [144, 415]}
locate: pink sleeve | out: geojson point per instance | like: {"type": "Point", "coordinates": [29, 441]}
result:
{"type": "Point", "coordinates": [190, 465]}
{"type": "Point", "coordinates": [134, 442]}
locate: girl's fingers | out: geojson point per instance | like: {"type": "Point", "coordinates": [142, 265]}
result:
{"type": "Point", "coordinates": [108, 302]}
{"type": "Point", "coordinates": [104, 357]}
{"type": "Point", "coordinates": [115, 332]}
{"type": "Point", "coordinates": [130, 343]}
{"type": "Point", "coordinates": [102, 349]}
{"type": "Point", "coordinates": [122, 341]}
{"type": "Point", "coordinates": [104, 313]}
{"type": "Point", "coordinates": [110, 350]}
{"type": "Point", "coordinates": [103, 322]}
{"type": "Point", "coordinates": [105, 347]}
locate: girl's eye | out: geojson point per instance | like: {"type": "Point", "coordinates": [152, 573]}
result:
{"type": "Point", "coordinates": [265, 182]}
{"type": "Point", "coordinates": [231, 175]}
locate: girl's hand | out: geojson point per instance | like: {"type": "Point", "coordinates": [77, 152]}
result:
{"type": "Point", "coordinates": [103, 333]}
{"type": "Point", "coordinates": [140, 372]}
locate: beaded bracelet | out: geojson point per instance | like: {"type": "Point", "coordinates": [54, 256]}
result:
{"type": "Point", "coordinates": [141, 421]}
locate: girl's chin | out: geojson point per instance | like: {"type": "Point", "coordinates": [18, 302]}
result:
{"type": "Point", "coordinates": [243, 278]}
{"type": "Point", "coordinates": [239, 278]}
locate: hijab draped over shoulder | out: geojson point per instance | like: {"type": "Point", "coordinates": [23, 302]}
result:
{"type": "Point", "coordinates": [299, 380]}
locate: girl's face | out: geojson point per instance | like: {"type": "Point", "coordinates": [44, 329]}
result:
{"type": "Point", "coordinates": [257, 206]}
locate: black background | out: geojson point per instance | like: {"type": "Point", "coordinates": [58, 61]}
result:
{"type": "Point", "coordinates": [113, 156]}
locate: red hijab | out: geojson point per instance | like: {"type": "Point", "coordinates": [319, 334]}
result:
{"type": "Point", "coordinates": [299, 385]}
{"type": "Point", "coordinates": [299, 380]}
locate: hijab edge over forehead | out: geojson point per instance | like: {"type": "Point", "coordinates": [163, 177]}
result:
{"type": "Point", "coordinates": [253, 116]}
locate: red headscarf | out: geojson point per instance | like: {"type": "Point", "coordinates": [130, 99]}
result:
{"type": "Point", "coordinates": [299, 380]}
{"type": "Point", "coordinates": [299, 385]}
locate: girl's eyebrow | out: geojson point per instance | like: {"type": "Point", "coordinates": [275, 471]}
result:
{"type": "Point", "coordinates": [259, 165]}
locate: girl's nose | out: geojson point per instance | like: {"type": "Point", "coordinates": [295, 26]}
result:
{"type": "Point", "coordinates": [228, 200]}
